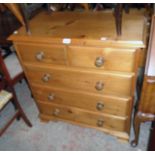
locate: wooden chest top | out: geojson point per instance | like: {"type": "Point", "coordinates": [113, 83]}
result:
{"type": "Point", "coordinates": [84, 28]}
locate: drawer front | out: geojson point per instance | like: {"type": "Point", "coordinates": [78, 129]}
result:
{"type": "Point", "coordinates": [100, 83]}
{"type": "Point", "coordinates": [92, 102]}
{"type": "Point", "coordinates": [77, 115]}
{"type": "Point", "coordinates": [102, 58]}
{"type": "Point", "coordinates": [42, 53]}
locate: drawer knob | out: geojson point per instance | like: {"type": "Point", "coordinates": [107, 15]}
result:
{"type": "Point", "coordinates": [46, 77]}
{"type": "Point", "coordinates": [99, 85]}
{"type": "Point", "coordinates": [99, 61]}
{"type": "Point", "coordinates": [51, 97]}
{"type": "Point", "coordinates": [56, 112]}
{"type": "Point", "coordinates": [40, 56]}
{"type": "Point", "coordinates": [99, 106]}
{"type": "Point", "coordinates": [100, 123]}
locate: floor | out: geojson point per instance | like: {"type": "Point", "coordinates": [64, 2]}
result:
{"type": "Point", "coordinates": [58, 135]}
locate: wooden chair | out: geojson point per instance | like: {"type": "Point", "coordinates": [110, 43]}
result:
{"type": "Point", "coordinates": [5, 98]}
{"type": "Point", "coordinates": [12, 73]}
{"type": "Point", "coordinates": [11, 69]}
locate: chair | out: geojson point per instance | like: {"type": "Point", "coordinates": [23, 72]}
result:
{"type": "Point", "coordinates": [12, 73]}
{"type": "Point", "coordinates": [12, 70]}
{"type": "Point", "coordinates": [5, 97]}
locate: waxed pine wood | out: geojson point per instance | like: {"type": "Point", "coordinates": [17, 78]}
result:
{"type": "Point", "coordinates": [112, 105]}
{"type": "Point", "coordinates": [66, 80]}
{"type": "Point", "coordinates": [113, 58]}
{"type": "Point", "coordinates": [52, 54]}
{"type": "Point", "coordinates": [110, 122]}
{"type": "Point", "coordinates": [113, 83]}
{"type": "Point", "coordinates": [84, 25]}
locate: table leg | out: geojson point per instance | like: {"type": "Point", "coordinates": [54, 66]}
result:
{"type": "Point", "coordinates": [151, 143]}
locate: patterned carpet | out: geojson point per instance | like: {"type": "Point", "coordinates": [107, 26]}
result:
{"type": "Point", "coordinates": [58, 135]}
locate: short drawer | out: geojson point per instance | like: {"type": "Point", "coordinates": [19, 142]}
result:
{"type": "Point", "coordinates": [82, 80]}
{"type": "Point", "coordinates": [85, 117]}
{"type": "Point", "coordinates": [42, 53]}
{"type": "Point", "coordinates": [103, 58]}
{"type": "Point", "coordinates": [93, 102]}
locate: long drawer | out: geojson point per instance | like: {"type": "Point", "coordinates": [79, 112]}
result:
{"type": "Point", "coordinates": [96, 82]}
{"type": "Point", "coordinates": [85, 117]}
{"type": "Point", "coordinates": [93, 102]}
{"type": "Point", "coordinates": [102, 58]}
{"type": "Point", "coordinates": [42, 53]}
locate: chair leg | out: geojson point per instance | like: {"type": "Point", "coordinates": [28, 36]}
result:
{"type": "Point", "coordinates": [8, 123]}
{"type": "Point", "coordinates": [10, 88]}
{"type": "Point", "coordinates": [16, 108]}
{"type": "Point", "coordinates": [17, 105]}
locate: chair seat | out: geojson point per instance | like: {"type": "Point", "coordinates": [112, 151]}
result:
{"type": "Point", "coordinates": [13, 65]}
{"type": "Point", "coordinates": [4, 98]}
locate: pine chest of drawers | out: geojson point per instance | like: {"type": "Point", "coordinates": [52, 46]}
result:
{"type": "Point", "coordinates": [80, 71]}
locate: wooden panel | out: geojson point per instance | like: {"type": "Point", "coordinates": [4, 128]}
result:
{"type": "Point", "coordinates": [147, 102]}
{"type": "Point", "coordinates": [77, 115]}
{"type": "Point", "coordinates": [113, 58]}
{"type": "Point", "coordinates": [42, 53]}
{"type": "Point", "coordinates": [109, 82]}
{"type": "Point", "coordinates": [97, 103]}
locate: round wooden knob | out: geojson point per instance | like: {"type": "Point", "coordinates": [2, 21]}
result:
{"type": "Point", "coordinates": [99, 85]}
{"type": "Point", "coordinates": [46, 77]}
{"type": "Point", "coordinates": [56, 112]}
{"type": "Point", "coordinates": [100, 123]}
{"type": "Point", "coordinates": [99, 61]}
{"type": "Point", "coordinates": [51, 97]}
{"type": "Point", "coordinates": [99, 106]}
{"type": "Point", "coordinates": [40, 56]}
